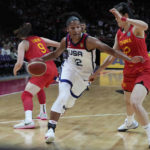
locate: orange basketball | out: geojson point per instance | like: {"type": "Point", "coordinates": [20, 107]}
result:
{"type": "Point", "coordinates": [36, 68]}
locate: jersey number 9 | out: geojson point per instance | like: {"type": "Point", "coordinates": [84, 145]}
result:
{"type": "Point", "coordinates": [41, 47]}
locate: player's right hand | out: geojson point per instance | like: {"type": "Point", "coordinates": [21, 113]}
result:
{"type": "Point", "coordinates": [37, 59]}
{"type": "Point", "coordinates": [92, 77]}
{"type": "Point", "coordinates": [137, 59]}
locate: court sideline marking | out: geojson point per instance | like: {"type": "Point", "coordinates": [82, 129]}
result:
{"type": "Point", "coordinates": [71, 117]}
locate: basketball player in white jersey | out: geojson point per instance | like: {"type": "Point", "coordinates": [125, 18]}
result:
{"type": "Point", "coordinates": [76, 69]}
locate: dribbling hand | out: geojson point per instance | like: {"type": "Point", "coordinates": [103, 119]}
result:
{"type": "Point", "coordinates": [92, 77]}
{"type": "Point", "coordinates": [137, 59]}
{"type": "Point", "coordinates": [37, 59]}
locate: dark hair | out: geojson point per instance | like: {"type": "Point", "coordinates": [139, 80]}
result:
{"type": "Point", "coordinates": [83, 22]}
{"type": "Point", "coordinates": [71, 16]}
{"type": "Point", "coordinates": [70, 19]}
{"type": "Point", "coordinates": [124, 8]}
{"type": "Point", "coordinates": [23, 31]}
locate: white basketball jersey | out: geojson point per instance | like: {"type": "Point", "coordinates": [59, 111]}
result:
{"type": "Point", "coordinates": [79, 58]}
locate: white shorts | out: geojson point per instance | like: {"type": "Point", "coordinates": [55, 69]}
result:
{"type": "Point", "coordinates": [77, 81]}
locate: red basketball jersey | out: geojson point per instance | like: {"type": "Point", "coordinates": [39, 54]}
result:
{"type": "Point", "coordinates": [37, 48]}
{"type": "Point", "coordinates": [133, 46]}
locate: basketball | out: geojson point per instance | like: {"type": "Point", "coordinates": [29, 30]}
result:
{"type": "Point", "coordinates": [36, 68]}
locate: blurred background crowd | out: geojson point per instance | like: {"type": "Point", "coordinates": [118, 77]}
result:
{"type": "Point", "coordinates": [44, 15]}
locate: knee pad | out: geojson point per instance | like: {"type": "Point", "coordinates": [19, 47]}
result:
{"type": "Point", "coordinates": [32, 88]}
{"type": "Point", "coordinates": [64, 100]}
{"type": "Point", "coordinates": [60, 105]}
{"type": "Point", "coordinates": [27, 100]}
{"type": "Point", "coordinates": [70, 102]}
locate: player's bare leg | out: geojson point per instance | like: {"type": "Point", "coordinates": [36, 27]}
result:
{"type": "Point", "coordinates": [50, 135]}
{"type": "Point", "coordinates": [130, 122]}
{"type": "Point", "coordinates": [137, 97]}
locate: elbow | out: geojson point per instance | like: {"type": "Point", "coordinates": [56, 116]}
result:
{"type": "Point", "coordinates": [145, 27]}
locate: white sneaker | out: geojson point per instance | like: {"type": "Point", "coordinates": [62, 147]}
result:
{"type": "Point", "coordinates": [124, 127]}
{"type": "Point", "coordinates": [25, 125]}
{"type": "Point", "coordinates": [50, 136]}
{"type": "Point", "coordinates": [42, 116]}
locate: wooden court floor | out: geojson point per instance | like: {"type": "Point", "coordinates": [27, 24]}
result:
{"type": "Point", "coordinates": [90, 125]}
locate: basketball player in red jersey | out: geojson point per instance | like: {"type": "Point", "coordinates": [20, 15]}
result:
{"type": "Point", "coordinates": [76, 69]}
{"type": "Point", "coordinates": [33, 47]}
{"type": "Point", "coordinates": [130, 38]}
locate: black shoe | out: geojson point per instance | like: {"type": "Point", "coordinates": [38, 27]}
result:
{"type": "Point", "coordinates": [120, 91]}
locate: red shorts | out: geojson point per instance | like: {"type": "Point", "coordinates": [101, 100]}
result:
{"type": "Point", "coordinates": [46, 79]}
{"type": "Point", "coordinates": [130, 81]}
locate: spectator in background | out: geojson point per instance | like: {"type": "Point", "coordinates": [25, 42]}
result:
{"type": "Point", "coordinates": [83, 26]}
{"type": "Point", "coordinates": [5, 50]}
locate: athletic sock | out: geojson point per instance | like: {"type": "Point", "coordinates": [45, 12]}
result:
{"type": "Point", "coordinates": [52, 124]}
{"type": "Point", "coordinates": [130, 119]}
{"type": "Point", "coordinates": [28, 116]}
{"type": "Point", "coordinates": [42, 108]}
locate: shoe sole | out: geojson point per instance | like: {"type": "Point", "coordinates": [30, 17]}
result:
{"type": "Point", "coordinates": [30, 127]}
{"type": "Point", "coordinates": [126, 129]}
{"type": "Point", "coordinates": [49, 140]}
{"type": "Point", "coordinates": [44, 119]}
{"type": "Point", "coordinates": [41, 118]}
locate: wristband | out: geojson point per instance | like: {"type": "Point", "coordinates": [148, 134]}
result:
{"type": "Point", "coordinates": [124, 19]}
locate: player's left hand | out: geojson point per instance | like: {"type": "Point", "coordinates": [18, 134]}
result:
{"type": "Point", "coordinates": [16, 68]}
{"type": "Point", "coordinates": [116, 13]}
{"type": "Point", "coordinates": [92, 77]}
{"type": "Point", "coordinates": [137, 59]}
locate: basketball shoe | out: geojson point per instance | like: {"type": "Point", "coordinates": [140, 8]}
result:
{"type": "Point", "coordinates": [42, 116]}
{"type": "Point", "coordinates": [25, 125]}
{"type": "Point", "coordinates": [124, 127]}
{"type": "Point", "coordinates": [50, 135]}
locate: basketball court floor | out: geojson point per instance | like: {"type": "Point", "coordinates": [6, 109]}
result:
{"type": "Point", "coordinates": [90, 125]}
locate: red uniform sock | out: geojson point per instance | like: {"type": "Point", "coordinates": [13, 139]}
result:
{"type": "Point", "coordinates": [27, 100]}
{"type": "Point", "coordinates": [41, 96]}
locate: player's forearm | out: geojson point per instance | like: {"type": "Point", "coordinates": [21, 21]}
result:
{"type": "Point", "coordinates": [49, 56]}
{"type": "Point", "coordinates": [114, 52]}
{"type": "Point", "coordinates": [121, 55]}
{"type": "Point", "coordinates": [109, 60]}
{"type": "Point", "coordinates": [138, 23]}
{"type": "Point", "coordinates": [53, 44]}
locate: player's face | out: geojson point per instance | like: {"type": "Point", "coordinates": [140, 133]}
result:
{"type": "Point", "coordinates": [74, 30]}
{"type": "Point", "coordinates": [121, 24]}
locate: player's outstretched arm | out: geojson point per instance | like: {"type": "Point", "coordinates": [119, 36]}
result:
{"type": "Point", "coordinates": [139, 24]}
{"type": "Point", "coordinates": [51, 42]}
{"type": "Point", "coordinates": [110, 59]}
{"type": "Point", "coordinates": [56, 53]}
{"type": "Point", "coordinates": [93, 43]}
